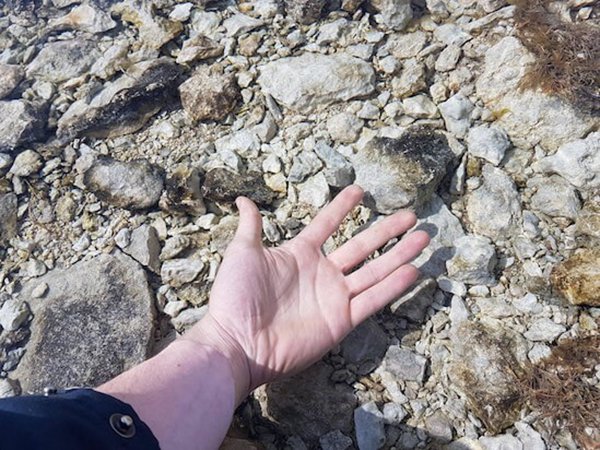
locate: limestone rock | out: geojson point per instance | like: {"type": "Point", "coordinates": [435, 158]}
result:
{"type": "Point", "coordinates": [407, 45]}
{"type": "Point", "coordinates": [344, 127]}
{"type": "Point", "coordinates": [177, 272]}
{"type": "Point", "coordinates": [588, 221]}
{"type": "Point", "coordinates": [13, 314]}
{"type": "Point", "coordinates": [555, 197]}
{"type": "Point", "coordinates": [154, 30]}
{"type": "Point", "coordinates": [474, 261]}
{"type": "Point", "coordinates": [578, 278]}
{"type": "Point", "coordinates": [414, 303]}
{"type": "Point", "coordinates": [439, 427]}
{"type": "Point", "coordinates": [494, 208]}
{"type": "Point", "coordinates": [404, 364]}
{"type": "Point", "coordinates": [544, 330]}
{"type": "Point", "coordinates": [366, 342]}
{"type": "Point", "coordinates": [21, 122]}
{"type": "Point", "coordinates": [529, 117]}
{"type": "Point", "coordinates": [84, 18]}
{"type": "Point", "coordinates": [309, 404]}
{"type": "Point", "coordinates": [487, 361]}
{"type": "Point", "coordinates": [10, 77]}
{"type": "Point", "coordinates": [8, 217]}
{"type": "Point", "coordinates": [95, 322]}
{"type": "Point", "coordinates": [314, 191]}
{"type": "Point", "coordinates": [124, 105]}
{"type": "Point", "coordinates": [395, 14]}
{"type": "Point", "coordinates": [577, 161]}
{"type": "Point", "coordinates": [222, 185]}
{"type": "Point", "coordinates": [396, 173]}
{"type": "Point", "coordinates": [501, 442]}
{"type": "Point", "coordinates": [456, 112]}
{"type": "Point", "coordinates": [369, 426]}
{"type": "Point", "coordinates": [62, 60]}
{"type": "Point", "coordinates": [306, 163]}
{"type": "Point", "coordinates": [297, 82]}
{"type": "Point", "coordinates": [144, 247]}
{"type": "Point", "coordinates": [133, 185]}
{"type": "Point", "coordinates": [240, 23]}
{"type": "Point", "coordinates": [304, 12]}
{"type": "Point", "coordinates": [26, 163]}
{"type": "Point", "coordinates": [489, 143]}
{"type": "Point", "coordinates": [448, 58]}
{"type": "Point", "coordinates": [411, 79]}
{"type": "Point", "coordinates": [338, 170]}
{"type": "Point", "coordinates": [198, 48]}
{"type": "Point", "coordinates": [208, 95]}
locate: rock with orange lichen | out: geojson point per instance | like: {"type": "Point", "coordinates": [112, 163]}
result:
{"type": "Point", "coordinates": [578, 278]}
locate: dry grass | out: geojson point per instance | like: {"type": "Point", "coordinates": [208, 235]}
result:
{"type": "Point", "coordinates": [558, 389]}
{"type": "Point", "coordinates": [567, 54]}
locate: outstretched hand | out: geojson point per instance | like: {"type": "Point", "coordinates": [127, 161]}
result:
{"type": "Point", "coordinates": [275, 311]}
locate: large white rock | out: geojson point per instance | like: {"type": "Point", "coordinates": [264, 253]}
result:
{"type": "Point", "coordinates": [577, 161]}
{"type": "Point", "coordinates": [529, 117]}
{"type": "Point", "coordinates": [311, 82]}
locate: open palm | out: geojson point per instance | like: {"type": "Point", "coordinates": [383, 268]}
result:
{"type": "Point", "coordinates": [277, 310]}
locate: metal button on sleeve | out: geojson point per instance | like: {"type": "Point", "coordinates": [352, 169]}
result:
{"type": "Point", "coordinates": [123, 425]}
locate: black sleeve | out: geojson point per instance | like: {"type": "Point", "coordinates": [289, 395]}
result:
{"type": "Point", "coordinates": [78, 419]}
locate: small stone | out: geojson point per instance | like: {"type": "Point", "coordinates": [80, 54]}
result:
{"type": "Point", "coordinates": [451, 34]}
{"type": "Point", "coordinates": [174, 246]}
{"type": "Point", "coordinates": [338, 170]}
{"type": "Point", "coordinates": [501, 442]}
{"type": "Point", "coordinates": [26, 163]}
{"type": "Point", "coordinates": [10, 77]}
{"type": "Point", "coordinates": [123, 238]}
{"type": "Point", "coordinates": [456, 112]}
{"type": "Point", "coordinates": [406, 45]}
{"type": "Point", "coordinates": [578, 278]}
{"type": "Point", "coordinates": [222, 185]}
{"type": "Point", "coordinates": [132, 185]}
{"type": "Point", "coordinates": [305, 164]}
{"type": "Point", "coordinates": [209, 96]}
{"type": "Point", "coordinates": [539, 352]}
{"type": "Point", "coordinates": [411, 79]}
{"type": "Point", "coordinates": [199, 48]}
{"type": "Point", "coordinates": [439, 427]}
{"type": "Point", "coordinates": [296, 82]}
{"type": "Point", "coordinates": [332, 32]}
{"type": "Point", "coordinates": [448, 58]}
{"type": "Point", "coordinates": [5, 161]}
{"type": "Point", "coordinates": [189, 317]}
{"type": "Point", "coordinates": [420, 107]}
{"type": "Point", "coordinates": [8, 217]}
{"type": "Point", "coordinates": [84, 18]}
{"type": "Point", "coordinates": [395, 14]}
{"type": "Point", "coordinates": [62, 60]}
{"type": "Point", "coordinates": [370, 427]}
{"type": "Point", "coordinates": [177, 272]}
{"type": "Point", "coordinates": [474, 261]}
{"type": "Point", "coordinates": [39, 291]}
{"type": "Point", "coordinates": [240, 23]}
{"type": "Point", "coordinates": [404, 364]}
{"type": "Point", "coordinates": [314, 191]}
{"type": "Point", "coordinates": [394, 413]}
{"type": "Point", "coordinates": [555, 197]}
{"type": "Point", "coordinates": [182, 192]}
{"type": "Point", "coordinates": [144, 247]}
{"type": "Point", "coordinates": [13, 314]}
{"type": "Point", "coordinates": [344, 127]}
{"type": "Point", "coordinates": [366, 342]}
{"type": "Point", "coordinates": [304, 11]}
{"type": "Point", "coordinates": [494, 209]}
{"type": "Point", "coordinates": [459, 312]}
{"type": "Point", "coordinates": [413, 304]}
{"type": "Point", "coordinates": [588, 221]}
{"type": "Point", "coordinates": [335, 440]}
{"type": "Point", "coordinates": [21, 122]}
{"type": "Point", "coordinates": [452, 286]}
{"type": "Point", "coordinates": [489, 143]}
{"type": "Point", "coordinates": [181, 12]}
{"type": "Point", "coordinates": [7, 389]}
{"type": "Point", "coordinates": [368, 111]}
{"type": "Point", "coordinates": [396, 173]}
{"type": "Point", "coordinates": [172, 309]}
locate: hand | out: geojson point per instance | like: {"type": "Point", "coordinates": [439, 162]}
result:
{"type": "Point", "coordinates": [275, 311]}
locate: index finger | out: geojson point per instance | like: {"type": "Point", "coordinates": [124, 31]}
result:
{"type": "Point", "coordinates": [331, 217]}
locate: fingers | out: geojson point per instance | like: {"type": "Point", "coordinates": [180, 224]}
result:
{"type": "Point", "coordinates": [250, 226]}
{"type": "Point", "coordinates": [375, 271]}
{"type": "Point", "coordinates": [357, 249]}
{"type": "Point", "coordinates": [372, 300]}
{"type": "Point", "coordinates": [330, 218]}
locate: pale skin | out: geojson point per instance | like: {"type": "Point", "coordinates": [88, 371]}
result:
{"type": "Point", "coordinates": [272, 313]}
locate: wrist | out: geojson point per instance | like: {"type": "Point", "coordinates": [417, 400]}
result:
{"type": "Point", "coordinates": [210, 334]}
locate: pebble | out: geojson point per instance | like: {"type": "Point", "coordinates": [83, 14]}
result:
{"type": "Point", "coordinates": [501, 442]}
{"type": "Point", "coordinates": [26, 163]}
{"type": "Point", "coordinates": [314, 191]}
{"type": "Point", "coordinates": [144, 247]}
{"type": "Point", "coordinates": [8, 217]}
{"type": "Point", "coordinates": [489, 143]}
{"type": "Point", "coordinates": [456, 112]}
{"type": "Point", "coordinates": [344, 127]}
{"type": "Point", "coordinates": [474, 261]}
{"type": "Point", "coordinates": [13, 314]}
{"type": "Point", "coordinates": [404, 364]}
{"type": "Point", "coordinates": [555, 197]}
{"type": "Point", "coordinates": [177, 272]}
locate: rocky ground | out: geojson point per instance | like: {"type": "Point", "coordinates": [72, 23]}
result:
{"type": "Point", "coordinates": [128, 128]}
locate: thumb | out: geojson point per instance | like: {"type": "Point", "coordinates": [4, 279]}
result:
{"type": "Point", "coordinates": [250, 226]}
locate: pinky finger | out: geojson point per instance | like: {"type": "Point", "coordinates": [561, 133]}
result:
{"type": "Point", "coordinates": [377, 297]}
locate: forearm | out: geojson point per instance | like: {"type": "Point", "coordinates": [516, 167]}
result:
{"type": "Point", "coordinates": [186, 395]}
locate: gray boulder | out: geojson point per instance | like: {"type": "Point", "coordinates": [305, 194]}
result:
{"type": "Point", "coordinates": [133, 185]}
{"type": "Point", "coordinates": [404, 172]}
{"type": "Point", "coordinates": [95, 321]}
{"type": "Point", "coordinates": [62, 60]}
{"type": "Point", "coordinates": [297, 82]}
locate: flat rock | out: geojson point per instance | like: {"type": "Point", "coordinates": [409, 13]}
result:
{"type": "Point", "coordinates": [578, 278]}
{"type": "Point", "coordinates": [144, 247]}
{"type": "Point", "coordinates": [297, 82]}
{"type": "Point", "coordinates": [407, 45]}
{"type": "Point", "coordinates": [474, 261]}
{"type": "Point", "coordinates": [529, 117]}
{"type": "Point", "coordinates": [309, 404]}
{"type": "Point", "coordinates": [62, 60]}
{"type": "Point", "coordinates": [124, 105]}
{"type": "Point", "coordinates": [13, 314]}
{"type": "Point", "coordinates": [369, 426]}
{"type": "Point", "coordinates": [95, 321]}
{"type": "Point", "coordinates": [487, 360]}
{"type": "Point", "coordinates": [544, 330]}
{"type": "Point", "coordinates": [404, 364]}
{"type": "Point", "coordinates": [494, 209]}
{"type": "Point", "coordinates": [555, 197]}
{"type": "Point", "coordinates": [84, 18]}
{"type": "Point", "coordinates": [366, 342]}
{"type": "Point", "coordinates": [207, 95]}
{"type": "Point", "coordinates": [198, 48]}
{"type": "Point", "coordinates": [21, 122]}
{"type": "Point", "coordinates": [456, 112]}
{"type": "Point", "coordinates": [489, 143]}
{"type": "Point", "coordinates": [222, 185]}
{"type": "Point", "coordinates": [414, 303]}
{"type": "Point", "coordinates": [133, 185]}
{"type": "Point", "coordinates": [576, 161]}
{"type": "Point", "coordinates": [304, 11]}
{"type": "Point", "coordinates": [338, 170]}
{"type": "Point", "coordinates": [404, 172]}
{"type": "Point", "coordinates": [10, 77]}
{"type": "Point", "coordinates": [8, 217]}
